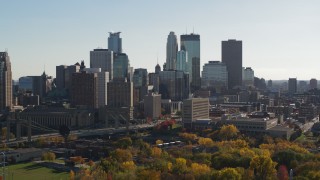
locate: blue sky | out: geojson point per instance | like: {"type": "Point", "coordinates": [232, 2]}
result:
{"type": "Point", "coordinates": [280, 38]}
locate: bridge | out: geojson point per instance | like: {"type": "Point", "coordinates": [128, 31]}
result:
{"type": "Point", "coordinates": [78, 133]}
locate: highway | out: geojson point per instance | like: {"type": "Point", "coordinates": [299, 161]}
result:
{"type": "Point", "coordinates": [85, 133]}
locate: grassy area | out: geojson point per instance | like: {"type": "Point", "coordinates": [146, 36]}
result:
{"type": "Point", "coordinates": [33, 171]}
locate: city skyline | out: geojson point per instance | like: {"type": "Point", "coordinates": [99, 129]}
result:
{"type": "Point", "coordinates": [276, 45]}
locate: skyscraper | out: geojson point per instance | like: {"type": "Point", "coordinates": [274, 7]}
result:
{"type": "Point", "coordinates": [84, 89]}
{"type": "Point", "coordinates": [214, 76]}
{"type": "Point", "coordinates": [120, 66]}
{"type": "Point", "coordinates": [247, 76]}
{"type": "Point", "coordinates": [292, 85]}
{"type": "Point", "coordinates": [115, 42]}
{"type": "Point", "coordinates": [313, 83]}
{"type": "Point", "coordinates": [191, 44]}
{"type": "Point", "coordinates": [232, 57]}
{"type": "Point", "coordinates": [102, 58]}
{"type": "Point", "coordinates": [174, 85]}
{"type": "Point", "coordinates": [182, 57]}
{"type": "Point", "coordinates": [172, 48]}
{"type": "Point", "coordinates": [5, 81]}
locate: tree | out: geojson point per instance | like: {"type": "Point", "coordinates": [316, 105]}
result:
{"type": "Point", "coordinates": [207, 142]}
{"type": "Point", "coordinates": [159, 141]}
{"type": "Point", "coordinates": [122, 155]}
{"type": "Point", "coordinates": [48, 156]}
{"type": "Point", "coordinates": [71, 175]}
{"type": "Point", "coordinates": [128, 166]}
{"type": "Point", "coordinates": [228, 132]}
{"type": "Point", "coordinates": [227, 174]}
{"type": "Point", "coordinates": [180, 166]}
{"type": "Point", "coordinates": [124, 143]}
{"type": "Point", "coordinates": [283, 172]}
{"type": "Point", "coordinates": [263, 167]}
{"type": "Point", "coordinates": [147, 174]}
{"type": "Point", "coordinates": [156, 152]}
{"type": "Point", "coordinates": [64, 132]}
{"type": "Point", "coordinates": [199, 170]}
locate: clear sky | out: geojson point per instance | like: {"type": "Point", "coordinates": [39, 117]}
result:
{"type": "Point", "coordinates": [280, 37]}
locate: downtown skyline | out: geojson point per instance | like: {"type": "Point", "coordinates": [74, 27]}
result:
{"type": "Point", "coordinates": [279, 38]}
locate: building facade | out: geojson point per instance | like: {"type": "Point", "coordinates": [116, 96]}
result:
{"type": "Point", "coordinates": [84, 89]}
{"type": "Point", "coordinates": [191, 44]}
{"type": "Point", "coordinates": [152, 105]}
{"type": "Point", "coordinates": [174, 85]}
{"type": "Point", "coordinates": [182, 57]}
{"type": "Point", "coordinates": [247, 77]}
{"type": "Point", "coordinates": [120, 66]}
{"type": "Point", "coordinates": [313, 84]}
{"type": "Point", "coordinates": [5, 81]}
{"type": "Point", "coordinates": [214, 76]}
{"type": "Point", "coordinates": [232, 57]}
{"type": "Point", "coordinates": [172, 48]}
{"type": "Point", "coordinates": [102, 58]}
{"type": "Point", "coordinates": [195, 109]}
{"type": "Point", "coordinates": [115, 42]}
{"type": "Point", "coordinates": [120, 94]}
{"type": "Point", "coordinates": [292, 85]}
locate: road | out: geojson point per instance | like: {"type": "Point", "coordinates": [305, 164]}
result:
{"type": "Point", "coordinates": [85, 133]}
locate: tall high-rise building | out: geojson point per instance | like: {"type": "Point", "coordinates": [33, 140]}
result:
{"type": "Point", "coordinates": [313, 83]}
{"type": "Point", "coordinates": [232, 57]}
{"type": "Point", "coordinates": [152, 105]}
{"type": "Point", "coordinates": [120, 94]}
{"type": "Point", "coordinates": [191, 44]}
{"type": "Point", "coordinates": [115, 42]}
{"type": "Point", "coordinates": [182, 57]}
{"type": "Point", "coordinates": [292, 85]}
{"type": "Point", "coordinates": [5, 81]}
{"type": "Point", "coordinates": [157, 69]}
{"type": "Point", "coordinates": [84, 89]}
{"type": "Point", "coordinates": [247, 76]}
{"type": "Point", "coordinates": [103, 80]}
{"type": "Point", "coordinates": [140, 77]}
{"type": "Point", "coordinates": [102, 58]}
{"type": "Point", "coordinates": [214, 76]}
{"type": "Point", "coordinates": [120, 66]}
{"type": "Point", "coordinates": [174, 85]}
{"type": "Point", "coordinates": [64, 75]}
{"type": "Point", "coordinates": [140, 83]}
{"type": "Point", "coordinates": [172, 48]}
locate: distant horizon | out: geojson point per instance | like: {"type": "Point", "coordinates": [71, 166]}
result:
{"type": "Point", "coordinates": [276, 45]}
